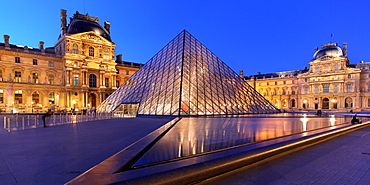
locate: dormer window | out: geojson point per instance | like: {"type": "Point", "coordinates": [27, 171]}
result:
{"type": "Point", "coordinates": [91, 51]}
{"type": "Point", "coordinates": [74, 49]}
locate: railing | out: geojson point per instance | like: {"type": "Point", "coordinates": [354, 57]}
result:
{"type": "Point", "coordinates": [14, 122]}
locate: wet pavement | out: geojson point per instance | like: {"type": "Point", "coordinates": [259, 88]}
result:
{"type": "Point", "coordinates": [197, 135]}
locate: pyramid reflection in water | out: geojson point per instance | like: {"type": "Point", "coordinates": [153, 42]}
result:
{"type": "Point", "coordinates": [185, 78]}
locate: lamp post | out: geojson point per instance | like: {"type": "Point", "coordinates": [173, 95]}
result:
{"type": "Point", "coordinates": [305, 104]}
{"type": "Point", "coordinates": [334, 101]}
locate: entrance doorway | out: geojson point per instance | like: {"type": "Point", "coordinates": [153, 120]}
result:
{"type": "Point", "coordinates": [92, 100]}
{"type": "Point", "coordinates": [325, 103]}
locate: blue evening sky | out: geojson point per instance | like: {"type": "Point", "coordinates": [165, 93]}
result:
{"type": "Point", "coordinates": [255, 36]}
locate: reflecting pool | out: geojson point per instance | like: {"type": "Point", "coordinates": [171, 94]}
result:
{"type": "Point", "coordinates": [198, 135]}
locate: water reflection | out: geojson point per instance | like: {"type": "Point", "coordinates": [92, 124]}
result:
{"type": "Point", "coordinates": [197, 135]}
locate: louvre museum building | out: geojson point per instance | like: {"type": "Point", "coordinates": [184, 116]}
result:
{"type": "Point", "coordinates": [331, 83]}
{"type": "Point", "coordinates": [77, 73]}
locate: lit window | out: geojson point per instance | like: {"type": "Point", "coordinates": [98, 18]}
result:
{"type": "Point", "coordinates": [18, 96]}
{"type": "Point", "coordinates": [36, 97]}
{"type": "Point", "coordinates": [17, 76]}
{"type": "Point", "coordinates": [92, 80]}
{"type": "Point", "coordinates": [35, 78]}
{"type": "Point", "coordinates": [1, 96]}
{"type": "Point", "coordinates": [34, 62]}
{"type": "Point", "coordinates": [74, 49]}
{"type": "Point", "coordinates": [51, 98]}
{"type": "Point", "coordinates": [91, 51]}
{"type": "Point", "coordinates": [51, 79]}
{"type": "Point", "coordinates": [17, 60]}
{"type": "Point", "coordinates": [75, 79]}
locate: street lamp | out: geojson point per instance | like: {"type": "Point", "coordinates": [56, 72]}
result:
{"type": "Point", "coordinates": [304, 103]}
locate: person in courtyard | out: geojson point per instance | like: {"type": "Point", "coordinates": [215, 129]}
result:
{"type": "Point", "coordinates": [355, 119]}
{"type": "Point", "coordinates": [45, 116]}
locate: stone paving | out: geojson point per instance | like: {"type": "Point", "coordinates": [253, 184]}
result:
{"type": "Point", "coordinates": [57, 154]}
{"type": "Point", "coordinates": [342, 160]}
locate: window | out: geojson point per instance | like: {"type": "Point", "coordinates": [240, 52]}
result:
{"type": "Point", "coordinates": [317, 69]}
{"type": "Point", "coordinates": [336, 89]}
{"type": "Point", "coordinates": [293, 91]}
{"type": "Point", "coordinates": [17, 60]}
{"type": "Point", "coordinates": [92, 80]}
{"type": "Point", "coordinates": [74, 49]}
{"type": "Point", "coordinates": [35, 78]}
{"type": "Point", "coordinates": [51, 64]}
{"type": "Point", "coordinates": [106, 54]}
{"type": "Point", "coordinates": [326, 88]}
{"type": "Point", "coordinates": [348, 87]}
{"type": "Point", "coordinates": [36, 97]}
{"type": "Point", "coordinates": [368, 102]}
{"type": "Point", "coordinates": [316, 89]}
{"type": "Point", "coordinates": [34, 62]}
{"type": "Point", "coordinates": [1, 75]}
{"type": "Point", "coordinates": [292, 103]}
{"type": "Point", "coordinates": [284, 82]}
{"type": "Point", "coordinates": [293, 82]}
{"type": "Point", "coordinates": [106, 82]}
{"type": "Point", "coordinates": [75, 79]}
{"type": "Point", "coordinates": [306, 79]}
{"type": "Point", "coordinates": [349, 76]}
{"type": "Point", "coordinates": [306, 89]}
{"type": "Point", "coordinates": [91, 51]}
{"type": "Point", "coordinates": [117, 71]}
{"type": "Point", "coordinates": [326, 68]}
{"type": "Point", "coordinates": [18, 96]}
{"type": "Point", "coordinates": [17, 76]}
{"type": "Point", "coordinates": [51, 79]}
{"type": "Point", "coordinates": [284, 92]}
{"type": "Point", "coordinates": [117, 83]}
{"type": "Point", "coordinates": [1, 96]}
{"type": "Point", "coordinates": [336, 67]}
{"type": "Point", "coordinates": [51, 98]}
{"type": "Point", "coordinates": [127, 72]}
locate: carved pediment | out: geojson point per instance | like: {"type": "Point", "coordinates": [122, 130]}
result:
{"type": "Point", "coordinates": [91, 36]}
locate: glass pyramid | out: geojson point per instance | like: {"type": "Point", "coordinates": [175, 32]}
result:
{"type": "Point", "coordinates": [186, 78]}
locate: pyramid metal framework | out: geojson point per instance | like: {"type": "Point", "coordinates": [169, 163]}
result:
{"type": "Point", "coordinates": [186, 78]}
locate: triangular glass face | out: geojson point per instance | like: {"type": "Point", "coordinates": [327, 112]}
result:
{"type": "Point", "coordinates": [185, 78]}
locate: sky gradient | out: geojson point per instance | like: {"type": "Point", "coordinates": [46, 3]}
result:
{"type": "Point", "coordinates": [254, 36]}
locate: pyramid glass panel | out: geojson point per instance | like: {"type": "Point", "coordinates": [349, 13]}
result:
{"type": "Point", "coordinates": [186, 78]}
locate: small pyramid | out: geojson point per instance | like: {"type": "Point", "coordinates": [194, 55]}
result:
{"type": "Point", "coordinates": [186, 78]}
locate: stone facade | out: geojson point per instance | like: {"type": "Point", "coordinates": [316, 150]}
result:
{"type": "Point", "coordinates": [79, 72]}
{"type": "Point", "coordinates": [330, 84]}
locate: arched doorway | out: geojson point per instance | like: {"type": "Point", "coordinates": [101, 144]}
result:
{"type": "Point", "coordinates": [348, 103]}
{"type": "Point", "coordinates": [92, 100]}
{"type": "Point", "coordinates": [325, 103]}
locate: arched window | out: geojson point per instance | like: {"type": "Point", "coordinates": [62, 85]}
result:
{"type": "Point", "coordinates": [348, 102]}
{"type": "Point", "coordinates": [18, 96]}
{"type": "Point", "coordinates": [1, 96]}
{"type": "Point", "coordinates": [91, 51]}
{"type": "Point", "coordinates": [292, 103]}
{"type": "Point", "coordinates": [51, 98]}
{"type": "Point", "coordinates": [74, 49]}
{"type": "Point", "coordinates": [92, 80]}
{"type": "Point", "coordinates": [36, 97]}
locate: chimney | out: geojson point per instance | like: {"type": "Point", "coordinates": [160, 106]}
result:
{"type": "Point", "coordinates": [345, 49]}
{"type": "Point", "coordinates": [63, 21]}
{"type": "Point", "coordinates": [41, 46]}
{"type": "Point", "coordinates": [107, 26]}
{"type": "Point", "coordinates": [119, 58]}
{"type": "Point", "coordinates": [316, 49]}
{"type": "Point", "coordinates": [259, 73]}
{"type": "Point", "coordinates": [6, 41]}
{"type": "Point", "coordinates": [25, 48]}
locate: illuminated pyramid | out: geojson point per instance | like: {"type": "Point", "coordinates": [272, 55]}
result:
{"type": "Point", "coordinates": [185, 78]}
